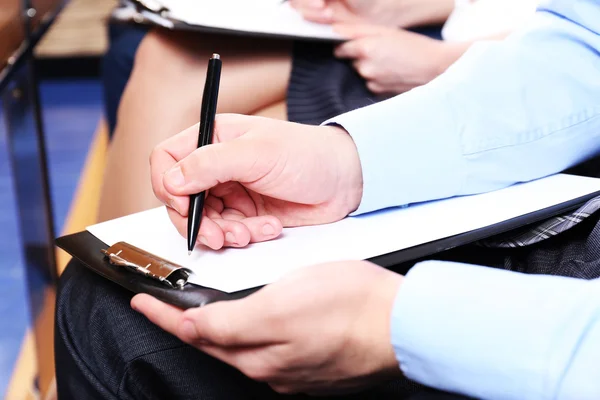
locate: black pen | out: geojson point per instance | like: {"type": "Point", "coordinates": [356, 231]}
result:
{"type": "Point", "coordinates": [205, 137]}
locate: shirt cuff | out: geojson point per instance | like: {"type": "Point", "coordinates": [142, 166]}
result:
{"type": "Point", "coordinates": [410, 142]}
{"type": "Point", "coordinates": [484, 332]}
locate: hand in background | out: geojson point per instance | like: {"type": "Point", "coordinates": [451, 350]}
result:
{"type": "Point", "coordinates": [261, 174]}
{"type": "Point", "coordinates": [393, 13]}
{"type": "Point", "coordinates": [324, 329]}
{"type": "Point", "coordinates": [393, 61]}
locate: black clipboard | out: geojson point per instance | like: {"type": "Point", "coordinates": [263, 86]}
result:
{"type": "Point", "coordinates": [151, 13]}
{"type": "Point", "coordinates": [92, 253]}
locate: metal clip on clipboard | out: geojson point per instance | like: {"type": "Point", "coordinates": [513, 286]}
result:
{"type": "Point", "coordinates": [141, 262]}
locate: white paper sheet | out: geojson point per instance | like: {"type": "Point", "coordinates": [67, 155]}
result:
{"type": "Point", "coordinates": [260, 16]}
{"type": "Point", "coordinates": [354, 238]}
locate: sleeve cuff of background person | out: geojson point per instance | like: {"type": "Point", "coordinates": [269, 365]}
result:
{"type": "Point", "coordinates": [497, 334]}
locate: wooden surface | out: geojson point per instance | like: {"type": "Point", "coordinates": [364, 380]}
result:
{"type": "Point", "coordinates": [86, 198]}
{"type": "Point", "coordinates": [80, 30]}
{"type": "Point", "coordinates": [11, 29]}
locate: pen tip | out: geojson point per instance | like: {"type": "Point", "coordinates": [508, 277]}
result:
{"type": "Point", "coordinates": [215, 56]}
{"type": "Point", "coordinates": [189, 252]}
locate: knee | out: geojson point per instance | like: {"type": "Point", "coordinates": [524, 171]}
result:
{"type": "Point", "coordinates": [96, 327]}
{"type": "Point", "coordinates": [87, 331]}
{"type": "Point", "coordinates": [168, 54]}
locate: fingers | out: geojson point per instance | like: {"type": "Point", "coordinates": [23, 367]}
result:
{"type": "Point", "coordinates": [237, 323]}
{"type": "Point", "coordinates": [314, 10]}
{"type": "Point", "coordinates": [165, 156]}
{"type": "Point", "coordinates": [230, 228]}
{"type": "Point", "coordinates": [376, 88]}
{"type": "Point", "coordinates": [263, 228]}
{"type": "Point", "coordinates": [208, 166]}
{"type": "Point", "coordinates": [225, 324]}
{"type": "Point", "coordinates": [353, 49]}
{"type": "Point", "coordinates": [314, 4]}
{"type": "Point", "coordinates": [235, 196]}
{"type": "Point", "coordinates": [366, 69]}
{"type": "Point", "coordinates": [210, 234]}
{"type": "Point", "coordinates": [227, 127]}
{"type": "Point", "coordinates": [159, 313]}
{"type": "Point", "coordinates": [183, 324]}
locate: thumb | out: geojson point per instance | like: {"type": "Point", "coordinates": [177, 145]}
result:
{"type": "Point", "coordinates": [243, 159]}
{"type": "Point", "coordinates": [234, 323]}
{"type": "Point", "coordinates": [213, 164]}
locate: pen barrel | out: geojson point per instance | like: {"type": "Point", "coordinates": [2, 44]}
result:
{"type": "Point", "coordinates": [205, 137]}
{"type": "Point", "coordinates": [209, 102]}
{"type": "Point", "coordinates": [195, 216]}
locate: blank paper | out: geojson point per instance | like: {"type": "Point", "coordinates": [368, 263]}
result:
{"type": "Point", "coordinates": [257, 16]}
{"type": "Point", "coordinates": [353, 238]}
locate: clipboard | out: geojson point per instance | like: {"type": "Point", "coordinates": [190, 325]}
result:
{"type": "Point", "coordinates": [142, 272]}
{"type": "Point", "coordinates": [154, 13]}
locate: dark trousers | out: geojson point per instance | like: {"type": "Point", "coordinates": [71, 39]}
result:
{"type": "Point", "coordinates": [105, 350]}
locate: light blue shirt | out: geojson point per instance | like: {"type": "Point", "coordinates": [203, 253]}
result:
{"type": "Point", "coordinates": [506, 112]}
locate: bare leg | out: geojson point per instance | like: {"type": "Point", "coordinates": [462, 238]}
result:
{"type": "Point", "coordinates": [275, 111]}
{"type": "Point", "coordinates": [163, 97]}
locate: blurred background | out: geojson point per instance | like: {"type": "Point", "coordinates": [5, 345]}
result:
{"type": "Point", "coordinates": [49, 75]}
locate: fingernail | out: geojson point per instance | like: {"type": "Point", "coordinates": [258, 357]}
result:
{"type": "Point", "coordinates": [203, 240]}
{"type": "Point", "coordinates": [188, 329]}
{"type": "Point", "coordinates": [175, 177]}
{"type": "Point", "coordinates": [230, 238]}
{"type": "Point", "coordinates": [316, 4]}
{"type": "Point", "coordinates": [268, 230]}
{"type": "Point", "coordinates": [171, 203]}
{"type": "Point", "coordinates": [327, 13]}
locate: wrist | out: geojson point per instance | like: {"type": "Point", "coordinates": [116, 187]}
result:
{"type": "Point", "coordinates": [394, 285]}
{"type": "Point", "coordinates": [449, 53]}
{"type": "Point", "coordinates": [350, 171]}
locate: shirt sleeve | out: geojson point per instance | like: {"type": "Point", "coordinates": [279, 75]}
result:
{"type": "Point", "coordinates": [497, 334]}
{"type": "Point", "coordinates": [506, 112]}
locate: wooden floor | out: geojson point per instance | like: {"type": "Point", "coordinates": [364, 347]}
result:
{"type": "Point", "coordinates": [85, 199]}
{"type": "Point", "coordinates": [80, 30]}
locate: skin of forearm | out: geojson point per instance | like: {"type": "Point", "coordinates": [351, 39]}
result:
{"type": "Point", "coordinates": [454, 50]}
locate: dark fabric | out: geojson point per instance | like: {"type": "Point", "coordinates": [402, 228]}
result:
{"type": "Point", "coordinates": [117, 64]}
{"type": "Point", "coordinates": [105, 350]}
{"type": "Point", "coordinates": [322, 86]}
{"type": "Point", "coordinates": [545, 230]}
{"type": "Point", "coordinates": [573, 253]}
